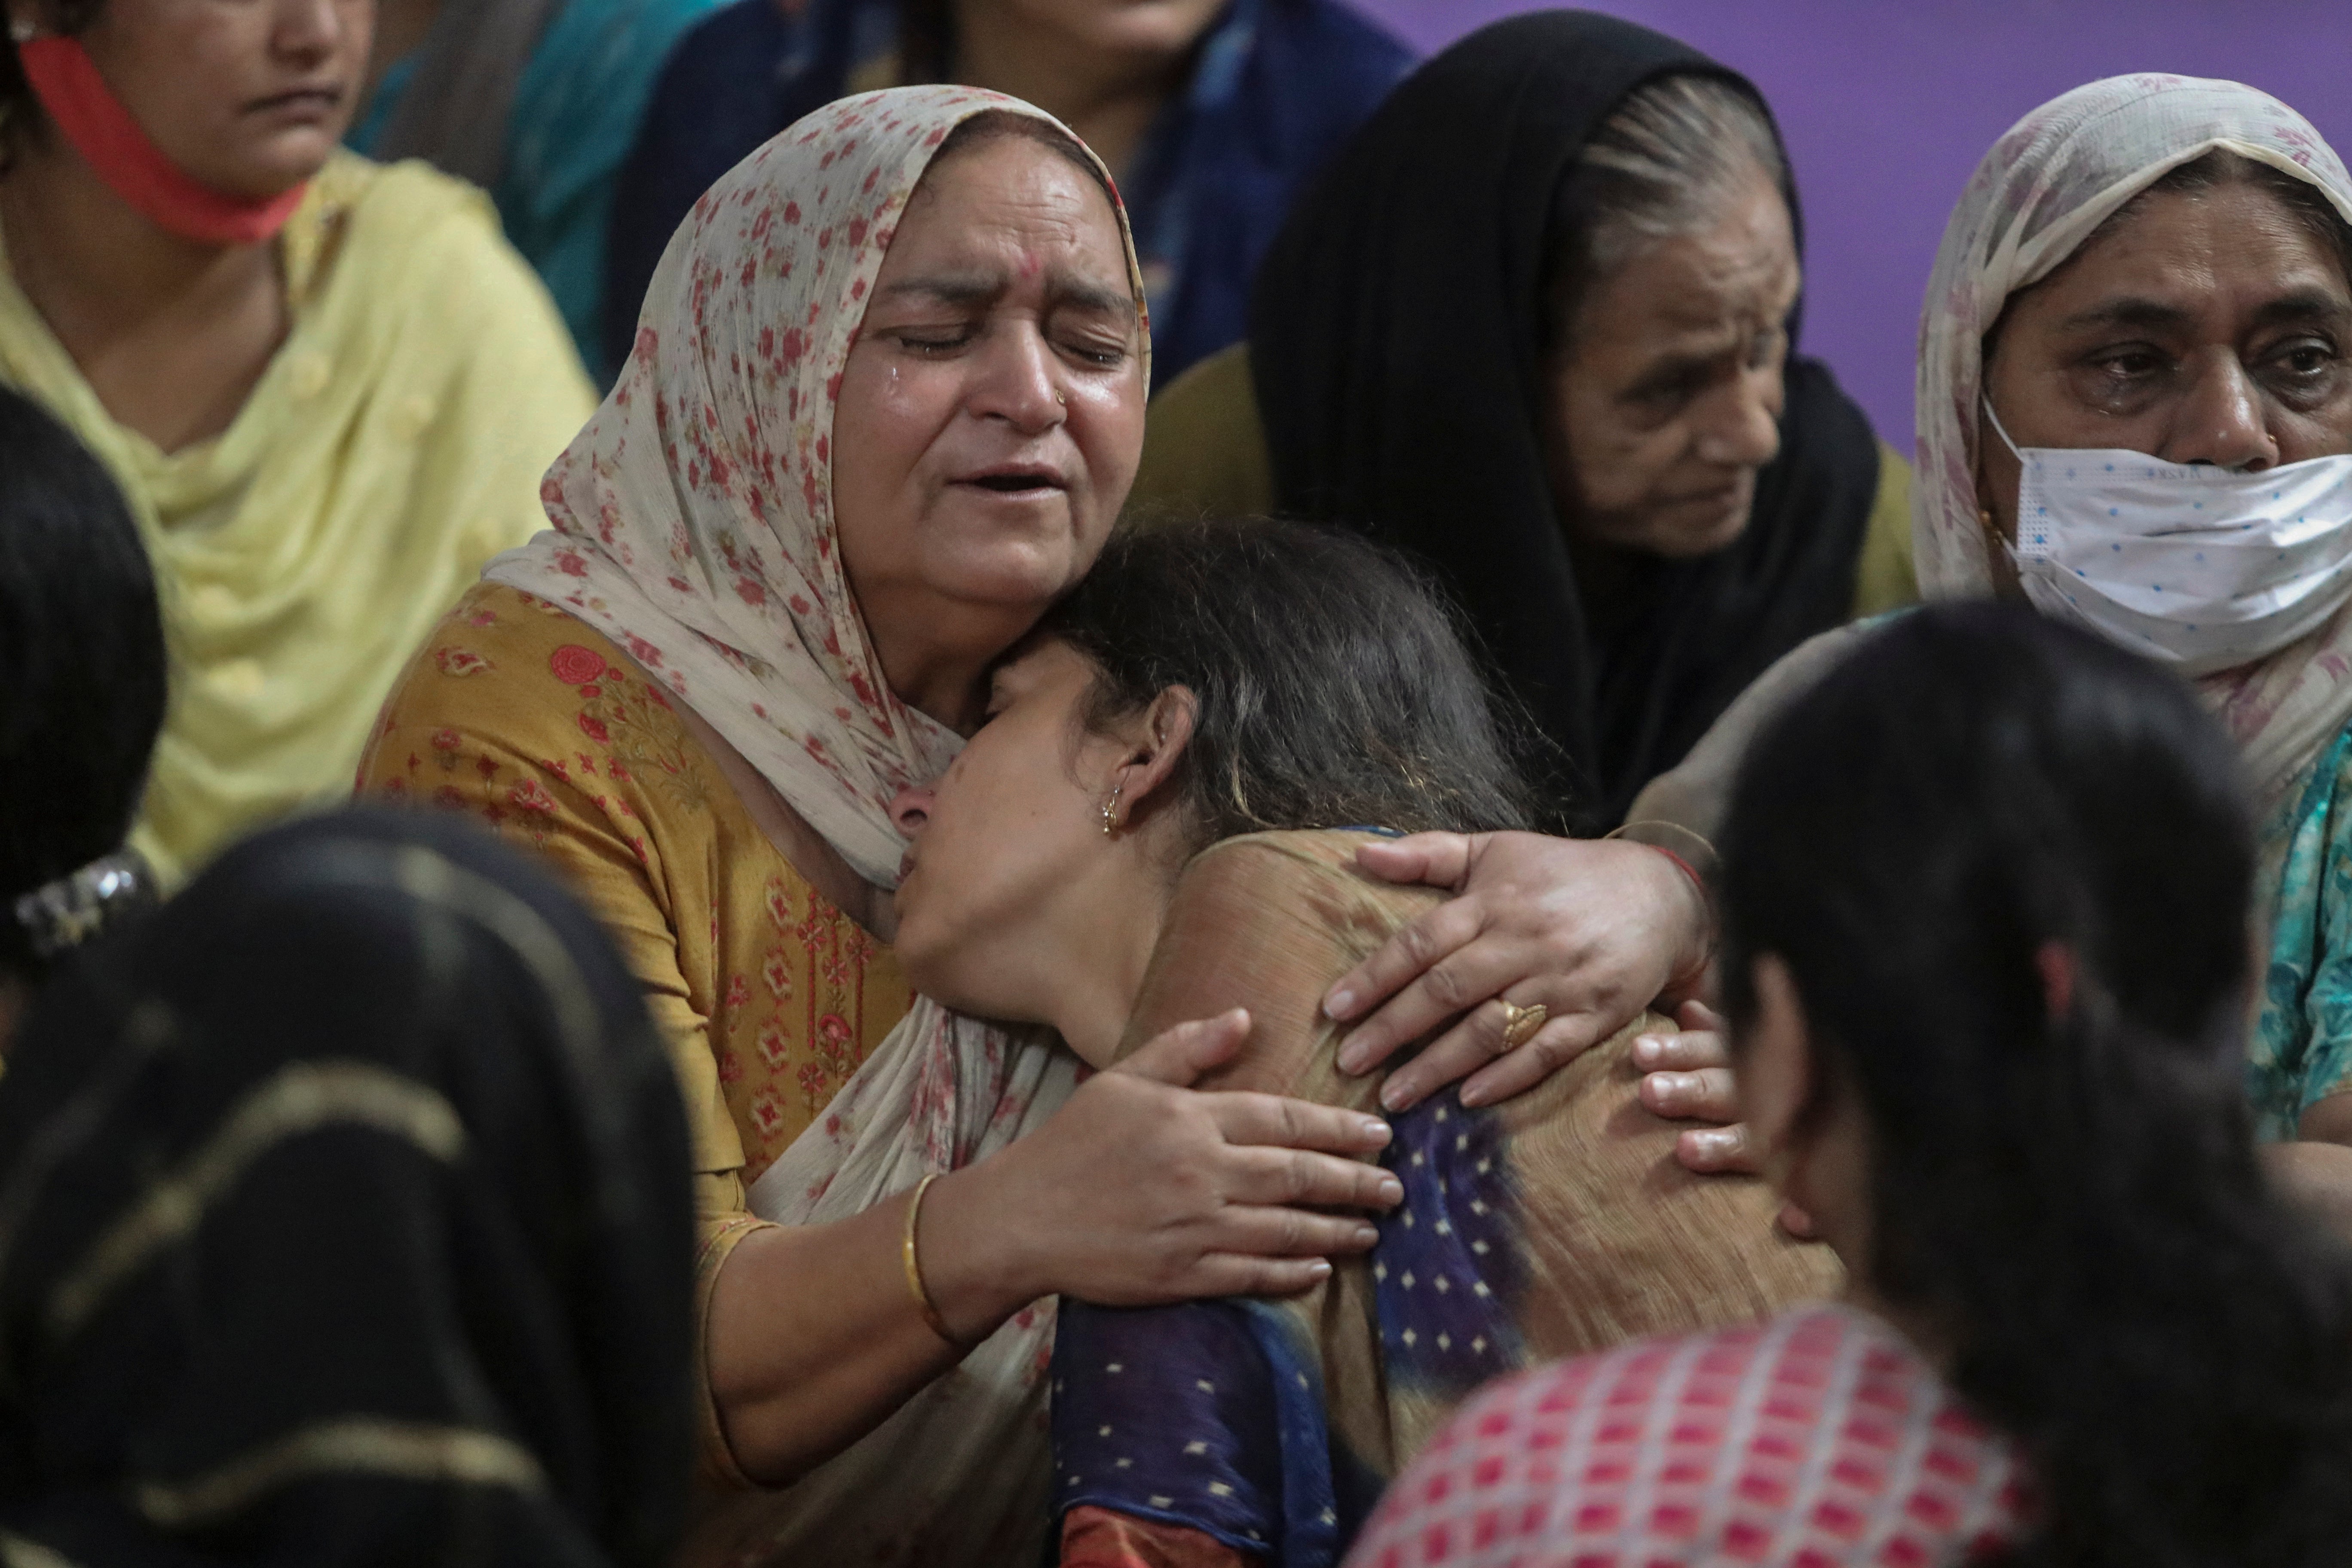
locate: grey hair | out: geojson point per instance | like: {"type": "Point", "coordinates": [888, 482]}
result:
{"type": "Point", "coordinates": [1664, 164]}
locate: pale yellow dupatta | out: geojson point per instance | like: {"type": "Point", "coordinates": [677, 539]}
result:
{"type": "Point", "coordinates": [393, 445]}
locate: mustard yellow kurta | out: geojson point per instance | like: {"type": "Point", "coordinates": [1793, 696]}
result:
{"type": "Point", "coordinates": [394, 444]}
{"type": "Point", "coordinates": [1204, 451]}
{"type": "Point", "coordinates": [769, 997]}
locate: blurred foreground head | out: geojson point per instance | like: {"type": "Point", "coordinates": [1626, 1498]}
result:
{"type": "Point", "coordinates": [1987, 955]}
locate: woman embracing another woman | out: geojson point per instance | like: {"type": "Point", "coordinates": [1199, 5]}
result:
{"type": "Point", "coordinates": [886, 399]}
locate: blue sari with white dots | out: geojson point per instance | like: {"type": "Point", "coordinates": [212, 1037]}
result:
{"type": "Point", "coordinates": [1212, 1415]}
{"type": "Point", "coordinates": [1551, 1225]}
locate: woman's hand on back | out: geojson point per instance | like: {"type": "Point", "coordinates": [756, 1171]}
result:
{"type": "Point", "coordinates": [1687, 1077]}
{"type": "Point", "coordinates": [1594, 930]}
{"type": "Point", "coordinates": [1144, 1190]}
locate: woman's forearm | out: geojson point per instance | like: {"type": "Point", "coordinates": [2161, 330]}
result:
{"type": "Point", "coordinates": [1138, 1191]}
{"type": "Point", "coordinates": [814, 1338]}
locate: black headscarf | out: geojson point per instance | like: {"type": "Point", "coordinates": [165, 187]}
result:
{"type": "Point", "coordinates": [344, 1219]}
{"type": "Point", "coordinates": [1396, 341]}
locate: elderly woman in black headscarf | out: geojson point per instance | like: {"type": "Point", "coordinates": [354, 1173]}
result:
{"type": "Point", "coordinates": [344, 1219]}
{"type": "Point", "coordinates": [1534, 324]}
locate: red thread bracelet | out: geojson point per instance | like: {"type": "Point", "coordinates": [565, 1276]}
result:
{"type": "Point", "coordinates": [1706, 900]}
{"type": "Point", "coordinates": [1685, 867]}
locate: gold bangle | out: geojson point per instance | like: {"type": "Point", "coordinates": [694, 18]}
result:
{"type": "Point", "coordinates": [1697, 859]}
{"type": "Point", "coordinates": [1685, 845]}
{"type": "Point", "coordinates": [915, 1287]}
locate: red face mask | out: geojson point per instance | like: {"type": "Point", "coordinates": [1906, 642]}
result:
{"type": "Point", "coordinates": [87, 112]}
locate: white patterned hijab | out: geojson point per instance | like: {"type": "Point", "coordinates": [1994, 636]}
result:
{"type": "Point", "coordinates": [693, 514]}
{"type": "Point", "coordinates": [2045, 186]}
{"type": "Point", "coordinates": [694, 526]}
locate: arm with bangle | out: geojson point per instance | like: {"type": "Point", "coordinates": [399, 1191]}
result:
{"type": "Point", "coordinates": [1138, 1190]}
{"type": "Point", "coordinates": [1690, 853]}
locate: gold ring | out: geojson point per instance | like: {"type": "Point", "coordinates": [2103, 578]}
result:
{"type": "Point", "coordinates": [1520, 1024]}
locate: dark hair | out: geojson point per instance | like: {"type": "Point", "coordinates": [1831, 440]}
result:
{"type": "Point", "coordinates": [2222, 168]}
{"type": "Point", "coordinates": [2216, 170]}
{"type": "Point", "coordinates": [1662, 165]}
{"type": "Point", "coordinates": [81, 660]}
{"type": "Point", "coordinates": [19, 110]}
{"type": "Point", "coordinates": [1004, 125]}
{"type": "Point", "coordinates": [1333, 688]}
{"type": "Point", "coordinates": [2074, 1198]}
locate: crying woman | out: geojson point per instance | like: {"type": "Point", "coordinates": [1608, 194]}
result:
{"type": "Point", "coordinates": [1159, 822]}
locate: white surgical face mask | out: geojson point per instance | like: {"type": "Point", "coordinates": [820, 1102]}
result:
{"type": "Point", "coordinates": [2194, 567]}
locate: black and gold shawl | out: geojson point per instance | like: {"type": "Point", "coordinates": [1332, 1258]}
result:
{"type": "Point", "coordinates": [344, 1218]}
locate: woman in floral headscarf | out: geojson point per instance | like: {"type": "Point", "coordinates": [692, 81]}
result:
{"type": "Point", "coordinates": [886, 398]}
{"type": "Point", "coordinates": [2159, 265]}
{"type": "Point", "coordinates": [678, 697]}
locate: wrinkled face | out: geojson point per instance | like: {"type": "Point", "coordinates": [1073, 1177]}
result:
{"type": "Point", "coordinates": [248, 97]}
{"type": "Point", "coordinates": [990, 416]}
{"type": "Point", "coordinates": [1664, 399]}
{"type": "Point", "coordinates": [2208, 326]}
{"type": "Point", "coordinates": [1016, 819]}
{"type": "Point", "coordinates": [1134, 29]}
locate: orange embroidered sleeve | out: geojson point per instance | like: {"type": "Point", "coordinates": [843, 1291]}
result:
{"type": "Point", "coordinates": [520, 715]}
{"type": "Point", "coordinates": [467, 730]}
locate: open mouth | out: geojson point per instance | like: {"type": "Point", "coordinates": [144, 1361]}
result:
{"type": "Point", "coordinates": [1018, 482]}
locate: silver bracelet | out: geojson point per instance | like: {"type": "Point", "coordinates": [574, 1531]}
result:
{"type": "Point", "coordinates": [75, 908]}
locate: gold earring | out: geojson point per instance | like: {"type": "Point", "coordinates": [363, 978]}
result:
{"type": "Point", "coordinates": [1110, 811]}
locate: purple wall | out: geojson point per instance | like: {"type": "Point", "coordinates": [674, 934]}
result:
{"type": "Point", "coordinates": [1888, 104]}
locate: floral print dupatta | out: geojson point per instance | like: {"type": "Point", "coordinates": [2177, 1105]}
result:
{"type": "Point", "coordinates": [694, 526]}
{"type": "Point", "coordinates": [2041, 191]}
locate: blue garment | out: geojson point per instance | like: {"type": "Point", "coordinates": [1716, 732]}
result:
{"type": "Point", "coordinates": [1276, 86]}
{"type": "Point", "coordinates": [1213, 1414]}
{"type": "Point", "coordinates": [576, 110]}
{"type": "Point", "coordinates": [376, 112]}
{"type": "Point", "coordinates": [2302, 1049]}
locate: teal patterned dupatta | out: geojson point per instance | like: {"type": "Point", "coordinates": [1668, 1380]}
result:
{"type": "Point", "coordinates": [2302, 1048]}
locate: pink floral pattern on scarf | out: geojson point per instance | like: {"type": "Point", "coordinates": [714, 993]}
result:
{"type": "Point", "coordinates": [694, 527]}
{"type": "Point", "coordinates": [693, 515]}
{"type": "Point", "coordinates": [2045, 186]}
